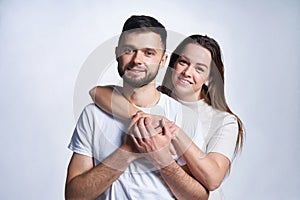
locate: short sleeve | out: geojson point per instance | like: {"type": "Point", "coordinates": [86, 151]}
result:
{"type": "Point", "coordinates": [81, 141]}
{"type": "Point", "coordinates": [224, 138]}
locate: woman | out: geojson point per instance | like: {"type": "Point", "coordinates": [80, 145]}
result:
{"type": "Point", "coordinates": [195, 77]}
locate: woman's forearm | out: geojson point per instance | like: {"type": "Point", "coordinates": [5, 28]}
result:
{"type": "Point", "coordinates": [113, 102]}
{"type": "Point", "coordinates": [209, 169]}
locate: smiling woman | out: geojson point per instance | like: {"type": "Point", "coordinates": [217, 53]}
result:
{"type": "Point", "coordinates": [208, 53]}
{"type": "Point", "coordinates": [191, 72]}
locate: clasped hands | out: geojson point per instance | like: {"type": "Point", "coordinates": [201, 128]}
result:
{"type": "Point", "coordinates": [150, 136]}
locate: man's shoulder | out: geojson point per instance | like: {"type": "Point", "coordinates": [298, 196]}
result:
{"type": "Point", "coordinates": [92, 110]}
{"type": "Point", "coordinates": [93, 115]}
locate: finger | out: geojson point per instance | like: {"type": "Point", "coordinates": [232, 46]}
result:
{"type": "Point", "coordinates": [163, 122]}
{"type": "Point", "coordinates": [142, 114]}
{"type": "Point", "coordinates": [147, 121]}
{"type": "Point", "coordinates": [173, 133]}
{"type": "Point", "coordinates": [169, 123]}
{"type": "Point", "coordinates": [138, 113]}
{"type": "Point", "coordinates": [142, 129]}
{"type": "Point", "coordinates": [135, 141]}
{"type": "Point", "coordinates": [166, 129]}
{"type": "Point", "coordinates": [149, 127]}
{"type": "Point", "coordinates": [137, 134]}
{"type": "Point", "coordinates": [135, 118]}
{"type": "Point", "coordinates": [173, 130]}
{"type": "Point", "coordinates": [156, 122]}
{"type": "Point", "coordinates": [139, 148]}
{"type": "Point", "coordinates": [167, 120]}
{"type": "Point", "coordinates": [158, 130]}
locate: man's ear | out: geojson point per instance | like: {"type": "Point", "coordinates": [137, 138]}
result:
{"type": "Point", "coordinates": [163, 60]}
{"type": "Point", "coordinates": [117, 53]}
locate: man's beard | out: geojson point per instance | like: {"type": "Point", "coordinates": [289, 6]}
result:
{"type": "Point", "coordinates": [137, 83]}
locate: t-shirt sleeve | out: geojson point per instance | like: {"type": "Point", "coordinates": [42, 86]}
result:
{"type": "Point", "coordinates": [224, 139]}
{"type": "Point", "coordinates": [81, 141]}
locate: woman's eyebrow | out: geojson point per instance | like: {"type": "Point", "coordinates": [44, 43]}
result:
{"type": "Point", "coordinates": [201, 64]}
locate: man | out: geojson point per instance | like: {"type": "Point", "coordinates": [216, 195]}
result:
{"type": "Point", "coordinates": [105, 163]}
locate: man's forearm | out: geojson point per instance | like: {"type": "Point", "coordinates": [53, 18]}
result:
{"type": "Point", "coordinates": [182, 185]}
{"type": "Point", "coordinates": [94, 182]}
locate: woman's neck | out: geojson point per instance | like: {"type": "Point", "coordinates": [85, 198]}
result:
{"type": "Point", "coordinates": [186, 98]}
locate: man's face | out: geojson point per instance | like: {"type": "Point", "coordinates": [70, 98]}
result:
{"type": "Point", "coordinates": [139, 56]}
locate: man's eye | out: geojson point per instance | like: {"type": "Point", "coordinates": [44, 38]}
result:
{"type": "Point", "coordinates": [149, 53]}
{"type": "Point", "coordinates": [127, 50]}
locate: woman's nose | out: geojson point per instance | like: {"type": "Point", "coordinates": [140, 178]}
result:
{"type": "Point", "coordinates": [187, 71]}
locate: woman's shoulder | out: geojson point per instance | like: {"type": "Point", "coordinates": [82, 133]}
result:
{"type": "Point", "coordinates": [219, 115]}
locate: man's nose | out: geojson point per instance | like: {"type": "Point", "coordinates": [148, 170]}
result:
{"type": "Point", "coordinates": [138, 57]}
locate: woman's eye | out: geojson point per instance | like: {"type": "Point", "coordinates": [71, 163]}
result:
{"type": "Point", "coordinates": [199, 69]}
{"type": "Point", "coordinates": [183, 62]}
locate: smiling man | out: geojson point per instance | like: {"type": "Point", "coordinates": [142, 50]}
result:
{"type": "Point", "coordinates": [105, 163]}
{"type": "Point", "coordinates": [140, 56]}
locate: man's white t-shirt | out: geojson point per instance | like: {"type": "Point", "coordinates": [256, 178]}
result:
{"type": "Point", "coordinates": [98, 134]}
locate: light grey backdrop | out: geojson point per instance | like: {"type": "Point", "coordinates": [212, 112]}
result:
{"type": "Point", "coordinates": [43, 45]}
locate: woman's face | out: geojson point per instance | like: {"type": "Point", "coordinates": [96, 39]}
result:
{"type": "Point", "coordinates": [191, 72]}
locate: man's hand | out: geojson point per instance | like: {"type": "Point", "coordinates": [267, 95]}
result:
{"type": "Point", "coordinates": [131, 148]}
{"type": "Point", "coordinates": [156, 120]}
{"type": "Point", "coordinates": [154, 144]}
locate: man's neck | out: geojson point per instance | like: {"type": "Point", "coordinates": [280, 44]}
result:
{"type": "Point", "coordinates": [144, 97]}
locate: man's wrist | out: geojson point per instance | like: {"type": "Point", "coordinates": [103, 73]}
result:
{"type": "Point", "coordinates": [127, 153]}
{"type": "Point", "coordinates": [160, 162]}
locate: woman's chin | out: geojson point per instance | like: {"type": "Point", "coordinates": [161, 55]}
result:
{"type": "Point", "coordinates": [184, 92]}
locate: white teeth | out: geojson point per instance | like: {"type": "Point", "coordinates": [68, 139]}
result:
{"type": "Point", "coordinates": [184, 81]}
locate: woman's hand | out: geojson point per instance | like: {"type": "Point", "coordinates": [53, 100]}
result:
{"type": "Point", "coordinates": [155, 144]}
{"type": "Point", "coordinates": [155, 120]}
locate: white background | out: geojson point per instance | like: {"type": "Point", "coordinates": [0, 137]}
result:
{"type": "Point", "coordinates": [44, 44]}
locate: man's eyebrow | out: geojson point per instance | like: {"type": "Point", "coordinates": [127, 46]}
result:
{"type": "Point", "coordinates": [201, 64]}
{"type": "Point", "coordinates": [150, 49]}
{"type": "Point", "coordinates": [144, 48]}
{"type": "Point", "coordinates": [127, 45]}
